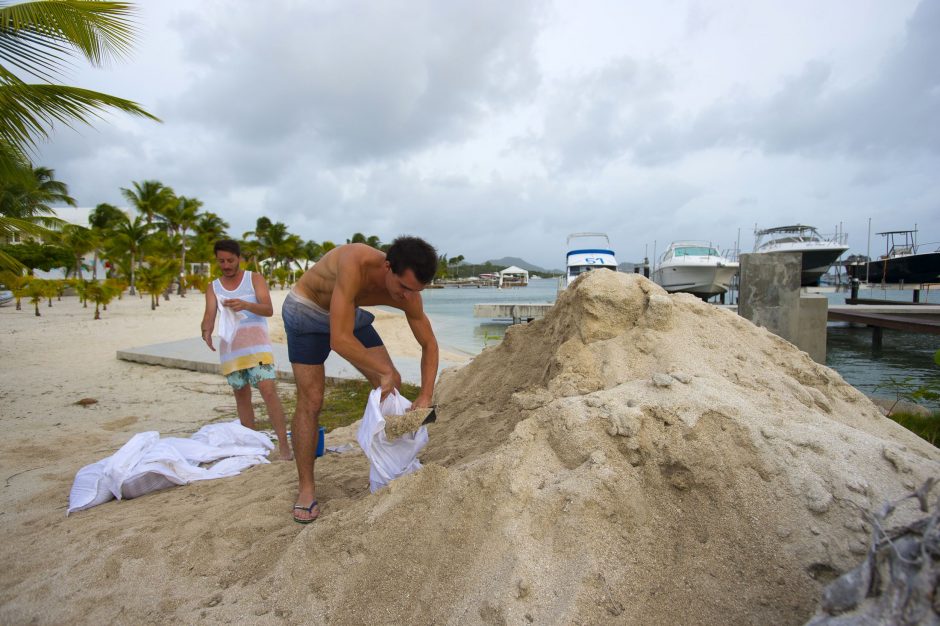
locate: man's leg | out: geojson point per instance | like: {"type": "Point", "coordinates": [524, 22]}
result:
{"type": "Point", "coordinates": [268, 389]}
{"type": "Point", "coordinates": [246, 412]}
{"type": "Point", "coordinates": [310, 380]}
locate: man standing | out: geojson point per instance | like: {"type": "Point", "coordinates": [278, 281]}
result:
{"type": "Point", "coordinates": [244, 348]}
{"type": "Point", "coordinates": [321, 313]}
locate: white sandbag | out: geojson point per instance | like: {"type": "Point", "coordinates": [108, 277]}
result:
{"type": "Point", "coordinates": [147, 463]}
{"type": "Point", "coordinates": [388, 460]}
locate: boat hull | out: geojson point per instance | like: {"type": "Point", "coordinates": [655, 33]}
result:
{"type": "Point", "coordinates": [912, 269]}
{"type": "Point", "coordinates": [815, 262]}
{"type": "Point", "coordinates": [704, 281]}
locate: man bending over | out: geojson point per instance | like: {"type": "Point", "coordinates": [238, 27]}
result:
{"type": "Point", "coordinates": [321, 313]}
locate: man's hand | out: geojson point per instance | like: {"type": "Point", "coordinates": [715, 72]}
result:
{"type": "Point", "coordinates": [390, 381]}
{"type": "Point", "coordinates": [421, 402]}
{"type": "Point", "coordinates": [207, 337]}
{"type": "Point", "coordinates": [236, 305]}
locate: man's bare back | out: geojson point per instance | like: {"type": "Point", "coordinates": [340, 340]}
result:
{"type": "Point", "coordinates": [319, 282]}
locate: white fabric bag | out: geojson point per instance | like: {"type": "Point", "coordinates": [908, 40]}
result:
{"type": "Point", "coordinates": [228, 321]}
{"type": "Point", "coordinates": [388, 460]}
{"type": "Point", "coordinates": [147, 463]}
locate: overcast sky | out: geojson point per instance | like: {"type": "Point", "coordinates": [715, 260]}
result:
{"type": "Point", "coordinates": [496, 128]}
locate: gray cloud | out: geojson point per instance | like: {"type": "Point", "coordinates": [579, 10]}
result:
{"type": "Point", "coordinates": [361, 81]}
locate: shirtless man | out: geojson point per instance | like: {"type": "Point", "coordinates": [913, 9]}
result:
{"type": "Point", "coordinates": [322, 313]}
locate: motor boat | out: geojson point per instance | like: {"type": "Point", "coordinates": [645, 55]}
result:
{"type": "Point", "coordinates": [901, 263]}
{"type": "Point", "coordinates": [587, 252]}
{"type": "Point", "coordinates": [694, 267]}
{"type": "Point", "coordinates": [819, 252]}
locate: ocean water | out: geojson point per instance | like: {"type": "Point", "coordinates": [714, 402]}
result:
{"type": "Point", "coordinates": [849, 349]}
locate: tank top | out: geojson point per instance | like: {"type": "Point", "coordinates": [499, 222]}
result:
{"type": "Point", "coordinates": [250, 346]}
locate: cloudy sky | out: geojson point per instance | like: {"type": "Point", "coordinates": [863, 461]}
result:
{"type": "Point", "coordinates": [497, 128]}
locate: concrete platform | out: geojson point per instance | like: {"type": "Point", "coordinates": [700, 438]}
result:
{"type": "Point", "coordinates": [192, 354]}
{"type": "Point", "coordinates": [515, 311]}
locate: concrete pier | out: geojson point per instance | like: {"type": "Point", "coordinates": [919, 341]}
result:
{"type": "Point", "coordinates": [770, 292]}
{"type": "Point", "coordinates": [517, 312]}
{"type": "Point", "coordinates": [770, 297]}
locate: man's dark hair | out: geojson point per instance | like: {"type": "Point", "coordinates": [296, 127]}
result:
{"type": "Point", "coordinates": [415, 254]}
{"type": "Point", "coordinates": [227, 245]}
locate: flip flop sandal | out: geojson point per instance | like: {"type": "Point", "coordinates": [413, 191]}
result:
{"type": "Point", "coordinates": [308, 509]}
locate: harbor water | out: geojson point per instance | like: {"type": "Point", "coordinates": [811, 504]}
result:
{"type": "Point", "coordinates": [903, 356]}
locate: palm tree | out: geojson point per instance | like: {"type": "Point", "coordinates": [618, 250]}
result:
{"type": "Point", "coordinates": [101, 219]}
{"type": "Point", "coordinates": [129, 238]}
{"type": "Point", "coordinates": [181, 217]}
{"type": "Point", "coordinates": [37, 38]}
{"type": "Point", "coordinates": [24, 207]}
{"type": "Point", "coordinates": [79, 241]}
{"type": "Point", "coordinates": [151, 198]}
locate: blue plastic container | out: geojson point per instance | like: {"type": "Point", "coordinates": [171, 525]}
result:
{"type": "Point", "coordinates": [321, 442]}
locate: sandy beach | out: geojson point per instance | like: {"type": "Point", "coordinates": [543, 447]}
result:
{"type": "Point", "coordinates": [614, 462]}
{"type": "Point", "coordinates": [49, 364]}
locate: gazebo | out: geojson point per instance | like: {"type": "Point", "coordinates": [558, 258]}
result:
{"type": "Point", "coordinates": [513, 277]}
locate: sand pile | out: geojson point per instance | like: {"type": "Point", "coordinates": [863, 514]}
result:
{"type": "Point", "coordinates": [632, 456]}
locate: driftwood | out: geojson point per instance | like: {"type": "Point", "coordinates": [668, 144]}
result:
{"type": "Point", "coordinates": [897, 583]}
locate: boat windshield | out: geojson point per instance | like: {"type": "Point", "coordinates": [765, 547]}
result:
{"type": "Point", "coordinates": [574, 270]}
{"type": "Point", "coordinates": [695, 251]}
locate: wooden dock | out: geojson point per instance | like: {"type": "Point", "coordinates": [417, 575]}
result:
{"type": "Point", "coordinates": [918, 318]}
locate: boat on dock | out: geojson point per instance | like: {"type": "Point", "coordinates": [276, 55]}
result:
{"type": "Point", "coordinates": [901, 262]}
{"type": "Point", "coordinates": [819, 252]}
{"type": "Point", "coordinates": [587, 252]}
{"type": "Point", "coordinates": [694, 267]}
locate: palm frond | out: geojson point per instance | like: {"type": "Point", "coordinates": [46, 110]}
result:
{"type": "Point", "coordinates": [28, 110]}
{"type": "Point", "coordinates": [37, 36]}
{"type": "Point", "coordinates": [9, 263]}
{"type": "Point", "coordinates": [42, 227]}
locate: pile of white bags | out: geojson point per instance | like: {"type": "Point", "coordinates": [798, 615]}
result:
{"type": "Point", "coordinates": [147, 463]}
{"type": "Point", "coordinates": [388, 460]}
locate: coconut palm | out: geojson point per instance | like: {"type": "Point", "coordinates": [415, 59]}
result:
{"type": "Point", "coordinates": [38, 38]}
{"type": "Point", "coordinates": [129, 238]}
{"type": "Point", "coordinates": [155, 276]}
{"type": "Point", "coordinates": [151, 198]}
{"type": "Point", "coordinates": [181, 217]}
{"type": "Point", "coordinates": [101, 219]}
{"type": "Point", "coordinates": [25, 207]}
{"type": "Point", "coordinates": [79, 241]}
{"type": "Point", "coordinates": [36, 290]}
{"type": "Point", "coordinates": [100, 294]}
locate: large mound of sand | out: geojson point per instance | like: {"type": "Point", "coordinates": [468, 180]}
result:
{"type": "Point", "coordinates": [632, 457]}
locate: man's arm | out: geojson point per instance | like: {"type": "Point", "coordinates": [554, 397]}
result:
{"type": "Point", "coordinates": [262, 307]}
{"type": "Point", "coordinates": [430, 356]}
{"type": "Point", "coordinates": [208, 318]}
{"type": "Point", "coordinates": [342, 325]}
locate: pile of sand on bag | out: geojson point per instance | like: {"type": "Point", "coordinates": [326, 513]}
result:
{"type": "Point", "coordinates": [633, 456]}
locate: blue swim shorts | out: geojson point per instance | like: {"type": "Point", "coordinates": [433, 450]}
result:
{"type": "Point", "coordinates": [308, 330]}
{"type": "Point", "coordinates": [251, 376]}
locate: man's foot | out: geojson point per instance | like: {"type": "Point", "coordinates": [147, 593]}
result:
{"type": "Point", "coordinates": [284, 453]}
{"type": "Point", "coordinates": [306, 514]}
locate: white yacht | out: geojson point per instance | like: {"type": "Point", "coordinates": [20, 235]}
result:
{"type": "Point", "coordinates": [694, 267]}
{"type": "Point", "coordinates": [586, 252]}
{"type": "Point", "coordinates": [819, 252]}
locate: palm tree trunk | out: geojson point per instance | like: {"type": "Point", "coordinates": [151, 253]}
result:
{"type": "Point", "coordinates": [131, 292]}
{"type": "Point", "coordinates": [97, 314]}
{"type": "Point", "coordinates": [36, 304]}
{"type": "Point", "coordinates": [182, 290]}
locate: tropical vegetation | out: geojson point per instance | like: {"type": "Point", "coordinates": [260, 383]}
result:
{"type": "Point", "coordinates": [38, 41]}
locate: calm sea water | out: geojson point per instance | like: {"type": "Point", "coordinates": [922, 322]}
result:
{"type": "Point", "coordinates": [849, 349]}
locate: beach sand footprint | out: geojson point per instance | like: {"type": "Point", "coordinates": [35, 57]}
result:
{"type": "Point", "coordinates": [120, 423]}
